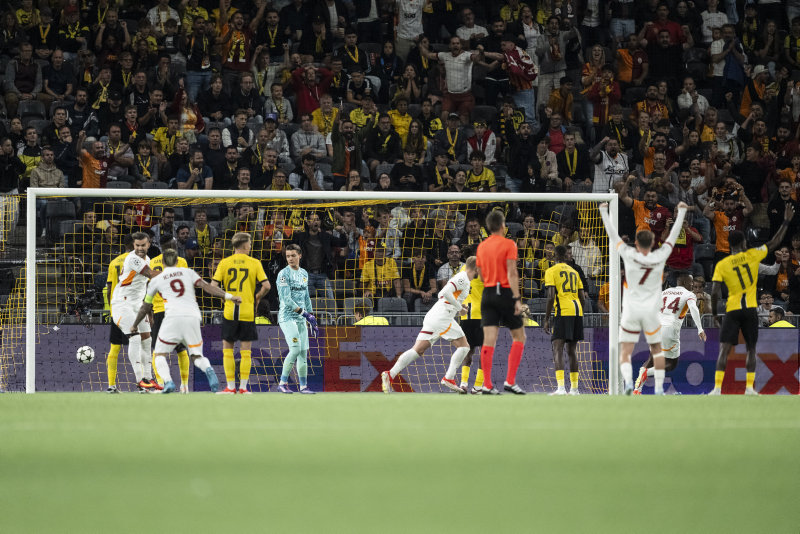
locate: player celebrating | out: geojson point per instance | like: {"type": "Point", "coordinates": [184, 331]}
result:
{"type": "Point", "coordinates": [181, 316]}
{"type": "Point", "coordinates": [497, 264]}
{"type": "Point", "coordinates": [125, 304]}
{"type": "Point", "coordinates": [239, 275]}
{"type": "Point", "coordinates": [565, 289]}
{"type": "Point", "coordinates": [294, 311]}
{"type": "Point", "coordinates": [644, 269]}
{"type": "Point", "coordinates": [440, 322]}
{"type": "Point", "coordinates": [116, 337]}
{"type": "Point", "coordinates": [739, 272]}
{"type": "Point", "coordinates": [157, 265]}
{"type": "Point", "coordinates": [676, 302]}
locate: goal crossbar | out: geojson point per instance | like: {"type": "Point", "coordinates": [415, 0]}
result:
{"type": "Point", "coordinates": [30, 240]}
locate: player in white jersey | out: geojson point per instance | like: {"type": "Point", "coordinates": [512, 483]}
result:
{"type": "Point", "coordinates": [440, 322]}
{"type": "Point", "coordinates": [641, 300]}
{"type": "Point", "coordinates": [125, 302]}
{"type": "Point", "coordinates": [181, 317]}
{"type": "Point", "coordinates": [675, 303]}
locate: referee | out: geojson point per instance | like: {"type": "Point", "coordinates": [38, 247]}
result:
{"type": "Point", "coordinates": [497, 265]}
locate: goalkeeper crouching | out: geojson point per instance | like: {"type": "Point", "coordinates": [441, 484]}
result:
{"type": "Point", "coordinates": [293, 313]}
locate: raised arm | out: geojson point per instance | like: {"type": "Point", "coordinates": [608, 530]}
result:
{"type": "Point", "coordinates": [215, 291]}
{"type": "Point", "coordinates": [788, 214]}
{"type": "Point", "coordinates": [692, 304]}
{"type": "Point", "coordinates": [678, 225]}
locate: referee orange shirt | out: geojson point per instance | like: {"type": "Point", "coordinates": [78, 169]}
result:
{"type": "Point", "coordinates": [491, 260]}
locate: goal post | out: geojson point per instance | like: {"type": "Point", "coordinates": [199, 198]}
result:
{"type": "Point", "coordinates": [290, 200]}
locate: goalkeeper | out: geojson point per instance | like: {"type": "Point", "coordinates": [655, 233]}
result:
{"type": "Point", "coordinates": [294, 311]}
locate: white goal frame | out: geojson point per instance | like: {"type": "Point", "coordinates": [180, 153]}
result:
{"type": "Point", "coordinates": [30, 242]}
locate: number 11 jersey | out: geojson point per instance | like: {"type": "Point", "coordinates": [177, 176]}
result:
{"type": "Point", "coordinates": [740, 273]}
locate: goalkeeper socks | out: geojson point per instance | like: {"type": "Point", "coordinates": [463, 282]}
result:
{"type": "Point", "coordinates": [455, 360]}
{"type": "Point", "coordinates": [111, 364]}
{"type": "Point", "coordinates": [302, 369]}
{"type": "Point", "coordinates": [464, 375]}
{"type": "Point", "coordinates": [560, 378]}
{"type": "Point", "coordinates": [573, 380]}
{"type": "Point", "coordinates": [230, 367]}
{"type": "Point", "coordinates": [487, 353]}
{"type": "Point", "coordinates": [627, 373]}
{"type": "Point", "coordinates": [134, 356]}
{"type": "Point", "coordinates": [162, 367]}
{"type": "Point", "coordinates": [244, 368]}
{"type": "Point", "coordinates": [403, 361]}
{"type": "Point", "coordinates": [288, 363]}
{"type": "Point", "coordinates": [479, 379]}
{"type": "Point", "coordinates": [750, 379]}
{"type": "Point", "coordinates": [514, 357]}
{"type": "Point", "coordinates": [183, 365]}
{"type": "Point", "coordinates": [718, 377]}
{"type": "Point", "coordinates": [146, 351]}
{"type": "Point", "coordinates": [202, 363]}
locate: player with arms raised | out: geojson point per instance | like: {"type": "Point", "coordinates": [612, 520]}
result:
{"type": "Point", "coordinates": [181, 324]}
{"type": "Point", "coordinates": [116, 338]}
{"type": "Point", "coordinates": [295, 310]}
{"type": "Point", "coordinates": [125, 303]}
{"type": "Point", "coordinates": [739, 272]}
{"type": "Point", "coordinates": [641, 301]}
{"type": "Point", "coordinates": [676, 302]}
{"type": "Point", "coordinates": [565, 289]}
{"type": "Point", "coordinates": [239, 275]}
{"type": "Point", "coordinates": [439, 323]}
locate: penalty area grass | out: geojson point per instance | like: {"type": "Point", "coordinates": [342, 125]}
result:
{"type": "Point", "coordinates": [77, 462]}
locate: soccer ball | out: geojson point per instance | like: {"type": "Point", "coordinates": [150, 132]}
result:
{"type": "Point", "coordinates": [85, 354]}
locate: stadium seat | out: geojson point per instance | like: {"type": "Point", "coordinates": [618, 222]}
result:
{"type": "Point", "coordinates": [31, 108]}
{"type": "Point", "coordinates": [155, 185]}
{"type": "Point", "coordinates": [351, 303]}
{"type": "Point", "coordinates": [116, 184]}
{"type": "Point", "coordinates": [422, 307]}
{"type": "Point", "coordinates": [373, 49]}
{"type": "Point", "coordinates": [537, 305]}
{"type": "Point", "coordinates": [57, 211]}
{"type": "Point", "coordinates": [216, 225]}
{"type": "Point", "coordinates": [383, 168]}
{"type": "Point", "coordinates": [325, 169]}
{"type": "Point", "coordinates": [289, 129]}
{"type": "Point", "coordinates": [325, 309]}
{"type": "Point", "coordinates": [513, 228]}
{"type": "Point", "coordinates": [757, 236]}
{"type": "Point", "coordinates": [343, 288]}
{"type": "Point", "coordinates": [704, 252]}
{"type": "Point", "coordinates": [394, 307]}
{"type": "Point", "coordinates": [64, 227]}
{"type": "Point", "coordinates": [38, 124]}
{"type": "Point", "coordinates": [213, 212]}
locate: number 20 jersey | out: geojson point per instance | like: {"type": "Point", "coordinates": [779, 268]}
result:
{"type": "Point", "coordinates": [643, 278]}
{"type": "Point", "coordinates": [176, 286]}
{"type": "Point", "coordinates": [740, 273]}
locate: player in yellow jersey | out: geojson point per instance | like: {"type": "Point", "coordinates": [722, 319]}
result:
{"type": "Point", "coordinates": [471, 325]}
{"type": "Point", "coordinates": [157, 265]}
{"type": "Point", "coordinates": [240, 275]}
{"type": "Point", "coordinates": [739, 272]}
{"type": "Point", "coordinates": [565, 290]}
{"type": "Point", "coordinates": [116, 337]}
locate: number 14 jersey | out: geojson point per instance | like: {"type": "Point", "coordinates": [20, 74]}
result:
{"type": "Point", "coordinates": [740, 273]}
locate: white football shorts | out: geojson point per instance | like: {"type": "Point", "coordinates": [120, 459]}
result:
{"type": "Point", "coordinates": [635, 321]}
{"type": "Point", "coordinates": [671, 341]}
{"type": "Point", "coordinates": [179, 329]}
{"type": "Point", "coordinates": [123, 316]}
{"type": "Point", "coordinates": [436, 326]}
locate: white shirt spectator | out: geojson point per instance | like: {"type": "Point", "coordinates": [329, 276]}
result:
{"type": "Point", "coordinates": [458, 71]}
{"type": "Point", "coordinates": [716, 48]}
{"type": "Point", "coordinates": [712, 20]}
{"type": "Point", "coordinates": [301, 140]}
{"type": "Point", "coordinates": [409, 19]}
{"type": "Point", "coordinates": [465, 34]}
{"type": "Point", "coordinates": [587, 256]}
{"type": "Point", "coordinates": [685, 101]}
{"type": "Point", "coordinates": [446, 271]}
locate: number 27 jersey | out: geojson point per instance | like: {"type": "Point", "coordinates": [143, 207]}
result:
{"type": "Point", "coordinates": [176, 286]}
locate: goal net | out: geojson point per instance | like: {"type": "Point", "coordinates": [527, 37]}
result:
{"type": "Point", "coordinates": [373, 259]}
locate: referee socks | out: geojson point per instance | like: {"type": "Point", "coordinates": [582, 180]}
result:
{"type": "Point", "coordinates": [487, 353]}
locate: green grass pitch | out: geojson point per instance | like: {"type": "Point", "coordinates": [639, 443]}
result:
{"type": "Point", "coordinates": [400, 463]}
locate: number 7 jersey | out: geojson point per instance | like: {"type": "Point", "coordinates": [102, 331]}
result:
{"type": "Point", "coordinates": [643, 277]}
{"type": "Point", "coordinates": [740, 273]}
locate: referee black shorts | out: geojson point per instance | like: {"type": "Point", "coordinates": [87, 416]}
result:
{"type": "Point", "coordinates": [117, 336]}
{"type": "Point", "coordinates": [568, 328]}
{"type": "Point", "coordinates": [473, 331]}
{"type": "Point", "coordinates": [233, 330]}
{"type": "Point", "coordinates": [158, 318]}
{"type": "Point", "coordinates": [497, 308]}
{"type": "Point", "coordinates": [745, 321]}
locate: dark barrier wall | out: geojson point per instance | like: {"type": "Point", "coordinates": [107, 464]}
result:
{"type": "Point", "coordinates": [356, 357]}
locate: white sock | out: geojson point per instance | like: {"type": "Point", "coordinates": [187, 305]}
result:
{"type": "Point", "coordinates": [403, 361]}
{"type": "Point", "coordinates": [651, 371]}
{"type": "Point", "coordinates": [455, 362]}
{"type": "Point", "coordinates": [658, 374]}
{"type": "Point", "coordinates": [134, 356]}
{"type": "Point", "coordinates": [163, 369]}
{"type": "Point", "coordinates": [146, 355]}
{"type": "Point", "coordinates": [627, 372]}
{"type": "Point", "coordinates": [201, 363]}
{"type": "Point", "coordinates": [243, 383]}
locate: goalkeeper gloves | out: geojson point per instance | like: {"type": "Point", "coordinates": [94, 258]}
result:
{"type": "Point", "coordinates": [312, 321]}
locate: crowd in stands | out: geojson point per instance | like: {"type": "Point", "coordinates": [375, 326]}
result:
{"type": "Point", "coordinates": [694, 101]}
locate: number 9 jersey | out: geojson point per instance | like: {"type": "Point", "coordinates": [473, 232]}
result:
{"type": "Point", "coordinates": [176, 286]}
